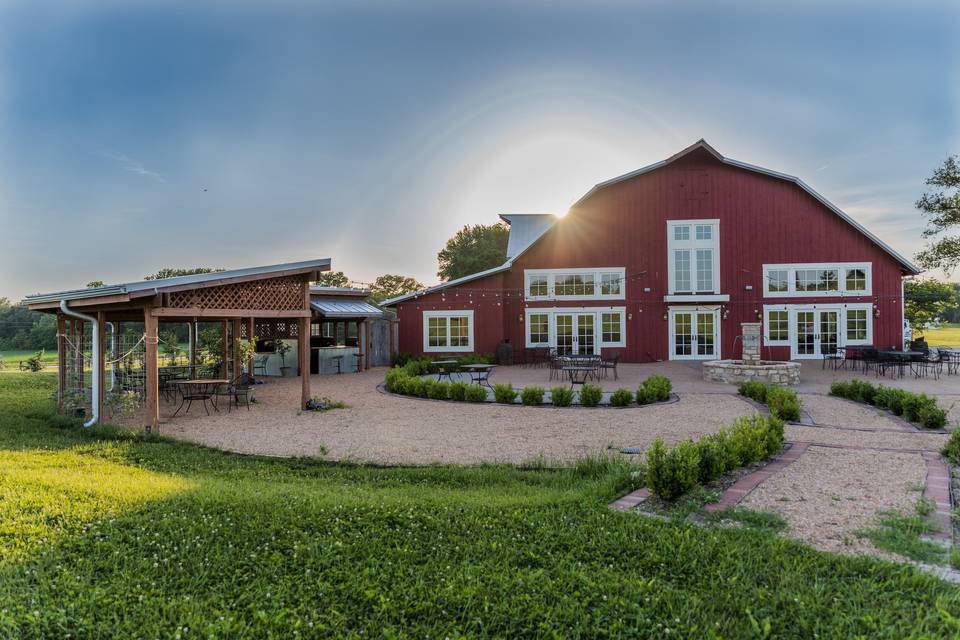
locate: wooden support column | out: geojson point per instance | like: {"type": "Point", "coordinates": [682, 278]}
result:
{"type": "Point", "coordinates": [152, 389]}
{"type": "Point", "coordinates": [61, 360]}
{"type": "Point", "coordinates": [115, 353]}
{"type": "Point", "coordinates": [99, 361]}
{"type": "Point", "coordinates": [303, 343]}
{"type": "Point", "coordinates": [237, 365]}
{"type": "Point", "coordinates": [226, 349]}
{"type": "Point", "coordinates": [362, 341]}
{"type": "Point", "coordinates": [250, 336]}
{"type": "Point", "coordinates": [193, 349]}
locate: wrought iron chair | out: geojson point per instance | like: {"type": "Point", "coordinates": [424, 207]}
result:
{"type": "Point", "coordinates": [833, 357]}
{"type": "Point", "coordinates": [260, 364]}
{"type": "Point", "coordinates": [610, 364]}
{"type": "Point", "coordinates": [237, 388]}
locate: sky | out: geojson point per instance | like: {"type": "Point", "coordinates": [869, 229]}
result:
{"type": "Point", "coordinates": [140, 135]}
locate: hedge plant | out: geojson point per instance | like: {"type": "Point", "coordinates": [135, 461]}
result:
{"type": "Point", "coordinates": [561, 396]}
{"type": "Point", "coordinates": [504, 393]}
{"type": "Point", "coordinates": [782, 401]}
{"type": "Point", "coordinates": [532, 396]}
{"type": "Point", "coordinates": [590, 394]}
{"type": "Point", "coordinates": [914, 407]}
{"type": "Point", "coordinates": [656, 388]}
{"type": "Point", "coordinates": [476, 393]}
{"type": "Point", "coordinates": [621, 398]}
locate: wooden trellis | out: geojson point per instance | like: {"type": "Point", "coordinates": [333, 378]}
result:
{"type": "Point", "coordinates": [277, 294]}
{"type": "Point", "coordinates": [273, 330]}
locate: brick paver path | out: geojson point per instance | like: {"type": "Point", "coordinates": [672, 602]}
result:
{"type": "Point", "coordinates": [749, 482]}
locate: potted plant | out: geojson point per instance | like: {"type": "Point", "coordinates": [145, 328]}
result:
{"type": "Point", "coordinates": [245, 351]}
{"type": "Point", "coordinates": [282, 348]}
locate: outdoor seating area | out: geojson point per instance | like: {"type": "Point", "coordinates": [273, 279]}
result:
{"type": "Point", "coordinates": [574, 368]}
{"type": "Point", "coordinates": [919, 361]}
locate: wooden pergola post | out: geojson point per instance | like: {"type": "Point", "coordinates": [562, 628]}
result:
{"type": "Point", "coordinates": [100, 362]}
{"type": "Point", "coordinates": [61, 360]}
{"type": "Point", "coordinates": [223, 337]}
{"type": "Point", "coordinates": [362, 343]}
{"type": "Point", "coordinates": [193, 348]}
{"type": "Point", "coordinates": [303, 342]}
{"type": "Point", "coordinates": [152, 389]}
{"type": "Point", "coordinates": [250, 336]}
{"type": "Point", "coordinates": [237, 365]}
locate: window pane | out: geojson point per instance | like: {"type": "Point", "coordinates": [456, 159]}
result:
{"type": "Point", "coordinates": [437, 332]}
{"type": "Point", "coordinates": [681, 233]}
{"type": "Point", "coordinates": [777, 280]}
{"type": "Point", "coordinates": [704, 334]}
{"type": "Point", "coordinates": [610, 327]}
{"type": "Point", "coordinates": [827, 280]}
{"type": "Point", "coordinates": [538, 286]}
{"type": "Point", "coordinates": [704, 232]}
{"type": "Point", "coordinates": [610, 284]}
{"type": "Point", "coordinates": [539, 328]}
{"type": "Point", "coordinates": [681, 264]}
{"type": "Point", "coordinates": [588, 285]}
{"type": "Point", "coordinates": [806, 279]}
{"type": "Point", "coordinates": [704, 270]}
{"type": "Point", "coordinates": [856, 280]}
{"type": "Point", "coordinates": [459, 331]}
{"type": "Point", "coordinates": [683, 334]}
{"type": "Point", "coordinates": [778, 326]}
{"type": "Point", "coordinates": [856, 324]}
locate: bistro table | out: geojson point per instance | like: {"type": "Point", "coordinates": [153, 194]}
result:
{"type": "Point", "coordinates": [479, 373]}
{"type": "Point", "coordinates": [191, 390]}
{"type": "Point", "coordinates": [899, 358]}
{"type": "Point", "coordinates": [578, 374]}
{"type": "Point", "coordinates": [445, 368]}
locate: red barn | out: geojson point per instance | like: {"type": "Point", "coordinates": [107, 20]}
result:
{"type": "Point", "coordinates": [665, 263]}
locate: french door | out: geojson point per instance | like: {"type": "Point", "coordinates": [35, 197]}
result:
{"type": "Point", "coordinates": [576, 333]}
{"type": "Point", "coordinates": [694, 334]}
{"type": "Point", "coordinates": [816, 332]}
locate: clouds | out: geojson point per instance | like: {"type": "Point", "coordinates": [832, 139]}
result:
{"type": "Point", "coordinates": [133, 166]}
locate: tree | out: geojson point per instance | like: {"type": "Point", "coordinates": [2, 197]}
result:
{"type": "Point", "coordinates": [93, 284]}
{"type": "Point", "coordinates": [941, 208]}
{"type": "Point", "coordinates": [332, 279]}
{"type": "Point", "coordinates": [390, 285]}
{"type": "Point", "coordinates": [473, 249]}
{"type": "Point", "coordinates": [173, 272]}
{"type": "Point", "coordinates": [926, 300]}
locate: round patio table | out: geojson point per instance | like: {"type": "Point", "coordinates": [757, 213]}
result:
{"type": "Point", "coordinates": [578, 374]}
{"type": "Point", "coordinates": [479, 373]}
{"type": "Point", "coordinates": [445, 368]}
{"type": "Point", "coordinates": [191, 390]}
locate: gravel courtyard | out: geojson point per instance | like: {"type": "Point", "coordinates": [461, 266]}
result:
{"type": "Point", "coordinates": [866, 460]}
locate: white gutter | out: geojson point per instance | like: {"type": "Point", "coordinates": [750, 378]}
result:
{"type": "Point", "coordinates": [95, 380]}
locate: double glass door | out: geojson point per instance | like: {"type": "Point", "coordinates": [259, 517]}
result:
{"type": "Point", "coordinates": [576, 333]}
{"type": "Point", "coordinates": [816, 333]}
{"type": "Point", "coordinates": [694, 334]}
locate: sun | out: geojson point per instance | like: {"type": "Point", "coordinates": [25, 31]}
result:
{"type": "Point", "coordinates": [561, 214]}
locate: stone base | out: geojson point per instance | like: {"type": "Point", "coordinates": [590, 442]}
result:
{"type": "Point", "coordinates": [737, 371]}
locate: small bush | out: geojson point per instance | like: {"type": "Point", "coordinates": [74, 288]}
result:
{"type": "Point", "coordinates": [716, 456]}
{"type": "Point", "coordinates": [952, 448]}
{"type": "Point", "coordinates": [862, 391]}
{"type": "Point", "coordinates": [477, 358]}
{"type": "Point", "coordinates": [895, 401]}
{"type": "Point", "coordinates": [672, 472]}
{"type": "Point", "coordinates": [911, 404]}
{"type": "Point", "coordinates": [748, 439]}
{"type": "Point", "coordinates": [476, 393]}
{"type": "Point", "coordinates": [621, 398]}
{"type": "Point", "coordinates": [931, 416]}
{"type": "Point", "coordinates": [840, 389]}
{"type": "Point", "coordinates": [561, 396]}
{"type": "Point", "coordinates": [883, 398]}
{"type": "Point", "coordinates": [532, 396]}
{"type": "Point", "coordinates": [418, 367]}
{"type": "Point", "coordinates": [590, 395]}
{"type": "Point", "coordinates": [657, 388]}
{"type": "Point", "coordinates": [418, 387]}
{"type": "Point", "coordinates": [458, 390]}
{"type": "Point", "coordinates": [439, 391]}
{"type": "Point", "coordinates": [504, 393]}
{"type": "Point", "coordinates": [775, 436]}
{"type": "Point", "coordinates": [755, 390]}
{"type": "Point", "coordinates": [395, 380]}
{"type": "Point", "coordinates": [783, 403]}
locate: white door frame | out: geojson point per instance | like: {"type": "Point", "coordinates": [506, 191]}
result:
{"type": "Point", "coordinates": [816, 310]}
{"type": "Point", "coordinates": [576, 315]}
{"type": "Point", "coordinates": [694, 310]}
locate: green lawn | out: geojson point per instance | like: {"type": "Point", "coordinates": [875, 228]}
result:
{"type": "Point", "coordinates": [948, 335]}
{"type": "Point", "coordinates": [13, 356]}
{"type": "Point", "coordinates": [104, 535]}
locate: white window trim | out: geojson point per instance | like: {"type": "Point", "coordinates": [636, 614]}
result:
{"type": "Point", "coordinates": [447, 313]}
{"type": "Point", "coordinates": [841, 268]}
{"type": "Point", "coordinates": [766, 326]}
{"type": "Point", "coordinates": [673, 310]}
{"type": "Point", "coordinates": [552, 312]}
{"type": "Point", "coordinates": [693, 244]}
{"type": "Point", "coordinates": [596, 272]}
{"type": "Point", "coordinates": [841, 308]}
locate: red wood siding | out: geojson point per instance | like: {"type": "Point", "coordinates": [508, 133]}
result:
{"type": "Point", "coordinates": [763, 220]}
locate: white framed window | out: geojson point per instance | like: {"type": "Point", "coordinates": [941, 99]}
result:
{"type": "Point", "coordinates": [575, 284]}
{"type": "Point", "coordinates": [607, 326]}
{"type": "Point", "coordinates": [777, 326]}
{"type": "Point", "coordinates": [445, 331]}
{"type": "Point", "coordinates": [858, 325]}
{"type": "Point", "coordinates": [817, 279]}
{"type": "Point", "coordinates": [693, 250]}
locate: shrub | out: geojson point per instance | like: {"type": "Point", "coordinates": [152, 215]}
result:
{"type": "Point", "coordinates": [931, 416]}
{"type": "Point", "coordinates": [561, 396]}
{"type": "Point", "coordinates": [476, 393]}
{"type": "Point", "coordinates": [504, 393]}
{"type": "Point", "coordinates": [862, 391]}
{"type": "Point", "coordinates": [438, 390]}
{"type": "Point", "coordinates": [400, 358]}
{"type": "Point", "coordinates": [656, 388]}
{"type": "Point", "coordinates": [716, 456]}
{"type": "Point", "coordinates": [621, 398]}
{"type": "Point", "coordinates": [895, 401]}
{"type": "Point", "coordinates": [477, 358]}
{"type": "Point", "coordinates": [590, 395]}
{"type": "Point", "coordinates": [418, 367]}
{"type": "Point", "coordinates": [775, 435]}
{"type": "Point", "coordinates": [883, 397]}
{"type": "Point", "coordinates": [754, 389]}
{"type": "Point", "coordinates": [783, 403]}
{"type": "Point", "coordinates": [415, 387]}
{"type": "Point", "coordinates": [840, 389]}
{"type": "Point", "coordinates": [672, 472]}
{"type": "Point", "coordinates": [395, 380]}
{"type": "Point", "coordinates": [952, 448]}
{"type": "Point", "coordinates": [458, 390]}
{"type": "Point", "coordinates": [748, 439]}
{"type": "Point", "coordinates": [532, 396]}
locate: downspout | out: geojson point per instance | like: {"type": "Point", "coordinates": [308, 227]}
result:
{"type": "Point", "coordinates": [95, 380]}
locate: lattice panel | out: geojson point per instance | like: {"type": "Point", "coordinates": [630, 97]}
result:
{"type": "Point", "coordinates": [276, 294]}
{"type": "Point", "coordinates": [276, 329]}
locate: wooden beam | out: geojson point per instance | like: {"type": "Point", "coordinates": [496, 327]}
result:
{"type": "Point", "coordinates": [362, 341]}
{"type": "Point", "coordinates": [172, 312]}
{"type": "Point", "coordinates": [225, 348]}
{"type": "Point", "coordinates": [193, 349]}
{"type": "Point", "coordinates": [250, 336]}
{"type": "Point", "coordinates": [237, 365]}
{"type": "Point", "coordinates": [152, 390]}
{"type": "Point", "coordinates": [304, 271]}
{"type": "Point", "coordinates": [61, 360]}
{"type": "Point", "coordinates": [115, 368]}
{"type": "Point", "coordinates": [100, 362]}
{"type": "Point", "coordinates": [303, 342]}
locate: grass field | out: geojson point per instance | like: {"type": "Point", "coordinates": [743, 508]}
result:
{"type": "Point", "coordinates": [948, 335]}
{"type": "Point", "coordinates": [104, 534]}
{"type": "Point", "coordinates": [13, 356]}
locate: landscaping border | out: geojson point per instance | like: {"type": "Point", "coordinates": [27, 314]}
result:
{"type": "Point", "coordinates": [674, 398]}
{"type": "Point", "coordinates": [742, 487]}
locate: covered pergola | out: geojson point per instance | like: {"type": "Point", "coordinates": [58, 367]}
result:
{"type": "Point", "coordinates": [272, 300]}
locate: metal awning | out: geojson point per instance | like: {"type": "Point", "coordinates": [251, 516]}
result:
{"type": "Point", "coordinates": [345, 309]}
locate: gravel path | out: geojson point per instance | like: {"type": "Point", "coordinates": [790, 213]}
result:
{"type": "Point", "coordinates": [836, 411]}
{"type": "Point", "coordinates": [878, 439]}
{"type": "Point", "coordinates": [828, 495]}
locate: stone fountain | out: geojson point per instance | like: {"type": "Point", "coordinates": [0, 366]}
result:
{"type": "Point", "coordinates": [751, 367]}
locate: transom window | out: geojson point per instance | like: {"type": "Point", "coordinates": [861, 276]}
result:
{"type": "Point", "coordinates": [574, 284]}
{"type": "Point", "coordinates": [448, 331]}
{"type": "Point", "coordinates": [809, 280]}
{"type": "Point", "coordinates": [694, 256]}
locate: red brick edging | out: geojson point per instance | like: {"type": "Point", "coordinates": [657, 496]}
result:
{"type": "Point", "coordinates": [749, 482]}
{"type": "Point", "coordinates": [629, 501]}
{"type": "Point", "coordinates": [937, 488]}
